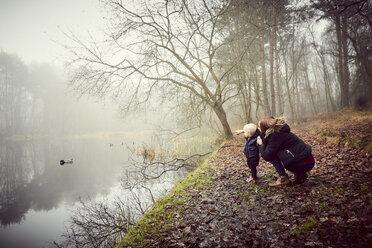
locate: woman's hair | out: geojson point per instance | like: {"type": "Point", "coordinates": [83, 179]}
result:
{"type": "Point", "coordinates": [266, 122]}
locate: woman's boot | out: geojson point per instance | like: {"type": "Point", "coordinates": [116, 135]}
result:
{"type": "Point", "coordinates": [300, 178]}
{"type": "Point", "coordinates": [282, 180]}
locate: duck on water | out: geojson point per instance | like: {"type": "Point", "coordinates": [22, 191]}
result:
{"type": "Point", "coordinates": [69, 161]}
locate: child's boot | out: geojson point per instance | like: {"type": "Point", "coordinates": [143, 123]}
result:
{"type": "Point", "coordinates": [251, 180]}
{"type": "Point", "coordinates": [282, 180]}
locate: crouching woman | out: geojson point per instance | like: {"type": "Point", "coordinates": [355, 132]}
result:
{"type": "Point", "coordinates": [284, 150]}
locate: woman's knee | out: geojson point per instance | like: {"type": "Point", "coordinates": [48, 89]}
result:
{"type": "Point", "coordinates": [278, 166]}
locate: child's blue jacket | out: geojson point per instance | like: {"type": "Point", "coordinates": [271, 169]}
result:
{"type": "Point", "coordinates": [251, 147]}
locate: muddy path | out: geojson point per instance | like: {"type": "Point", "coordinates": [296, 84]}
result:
{"type": "Point", "coordinates": [333, 208]}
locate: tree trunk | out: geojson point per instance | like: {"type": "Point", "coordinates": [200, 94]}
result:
{"type": "Point", "coordinates": [263, 68]}
{"type": "Point", "coordinates": [326, 85]}
{"type": "Point", "coordinates": [343, 92]}
{"type": "Point", "coordinates": [362, 59]}
{"type": "Point", "coordinates": [247, 93]}
{"type": "Point", "coordinates": [317, 89]}
{"type": "Point", "coordinates": [277, 76]}
{"type": "Point", "coordinates": [272, 44]}
{"type": "Point", "coordinates": [308, 86]}
{"type": "Point", "coordinates": [256, 93]}
{"type": "Point", "coordinates": [346, 71]}
{"type": "Point", "coordinates": [249, 96]}
{"type": "Point", "coordinates": [287, 87]}
{"type": "Point", "coordinates": [221, 114]}
{"type": "Point", "coordinates": [327, 90]}
{"type": "Point", "coordinates": [294, 79]}
{"type": "Point", "coordinates": [244, 101]}
{"type": "Point", "coordinates": [296, 95]}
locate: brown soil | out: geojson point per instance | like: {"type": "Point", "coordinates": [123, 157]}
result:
{"type": "Point", "coordinates": [333, 208]}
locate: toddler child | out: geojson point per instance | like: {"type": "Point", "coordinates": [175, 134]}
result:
{"type": "Point", "coordinates": [251, 152]}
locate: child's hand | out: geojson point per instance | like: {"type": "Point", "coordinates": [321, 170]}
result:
{"type": "Point", "coordinates": [238, 132]}
{"type": "Point", "coordinates": [259, 140]}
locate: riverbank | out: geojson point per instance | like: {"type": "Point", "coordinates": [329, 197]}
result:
{"type": "Point", "coordinates": [215, 207]}
{"type": "Point", "coordinates": [150, 230]}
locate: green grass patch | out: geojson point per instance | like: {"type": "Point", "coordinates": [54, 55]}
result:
{"type": "Point", "coordinates": [323, 204]}
{"type": "Point", "coordinates": [245, 204]}
{"type": "Point", "coordinates": [160, 217]}
{"type": "Point", "coordinates": [369, 147]}
{"type": "Point", "coordinates": [243, 195]}
{"type": "Point", "coordinates": [304, 227]}
{"type": "Point", "coordinates": [261, 191]}
{"type": "Point", "coordinates": [364, 188]}
{"type": "Point", "coordinates": [337, 191]}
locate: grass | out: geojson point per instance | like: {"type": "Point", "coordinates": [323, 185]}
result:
{"type": "Point", "coordinates": [305, 226]}
{"type": "Point", "coordinates": [323, 204]}
{"type": "Point", "coordinates": [245, 204]}
{"type": "Point", "coordinates": [364, 188]}
{"type": "Point", "coordinates": [369, 147]}
{"type": "Point", "coordinates": [157, 220]}
{"type": "Point", "coordinates": [162, 150]}
{"type": "Point", "coordinates": [243, 195]}
{"type": "Point", "coordinates": [336, 128]}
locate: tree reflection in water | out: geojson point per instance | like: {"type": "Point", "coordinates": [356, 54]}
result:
{"type": "Point", "coordinates": [31, 177]}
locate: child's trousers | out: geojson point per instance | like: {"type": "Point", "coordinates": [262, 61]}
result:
{"type": "Point", "coordinates": [252, 164]}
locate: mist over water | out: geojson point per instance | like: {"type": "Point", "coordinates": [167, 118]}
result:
{"type": "Point", "coordinates": [45, 122]}
{"type": "Point", "coordinates": [37, 191]}
{"type": "Point", "coordinates": [38, 194]}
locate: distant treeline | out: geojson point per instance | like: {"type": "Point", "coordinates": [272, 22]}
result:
{"type": "Point", "coordinates": [22, 95]}
{"type": "Point", "coordinates": [34, 99]}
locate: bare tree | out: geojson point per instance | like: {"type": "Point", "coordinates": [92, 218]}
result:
{"type": "Point", "coordinates": [169, 46]}
{"type": "Point", "coordinates": [144, 171]}
{"type": "Point", "coordinates": [97, 225]}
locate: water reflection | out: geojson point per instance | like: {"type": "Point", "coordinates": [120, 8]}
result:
{"type": "Point", "coordinates": [37, 193]}
{"type": "Point", "coordinates": [32, 178]}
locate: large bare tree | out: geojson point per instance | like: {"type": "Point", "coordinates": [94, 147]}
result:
{"type": "Point", "coordinates": [158, 46]}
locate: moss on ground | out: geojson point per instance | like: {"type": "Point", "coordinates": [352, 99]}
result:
{"type": "Point", "coordinates": [149, 229]}
{"type": "Point", "coordinates": [305, 226]}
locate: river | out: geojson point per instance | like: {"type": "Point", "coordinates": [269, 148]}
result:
{"type": "Point", "coordinates": [38, 194]}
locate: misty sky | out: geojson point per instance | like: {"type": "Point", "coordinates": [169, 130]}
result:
{"type": "Point", "coordinates": [28, 27]}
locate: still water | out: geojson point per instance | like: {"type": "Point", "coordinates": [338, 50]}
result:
{"type": "Point", "coordinates": [37, 193]}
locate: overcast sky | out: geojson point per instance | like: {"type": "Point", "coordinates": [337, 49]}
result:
{"type": "Point", "coordinates": [28, 27]}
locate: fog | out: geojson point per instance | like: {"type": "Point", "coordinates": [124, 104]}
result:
{"type": "Point", "coordinates": [34, 29]}
{"type": "Point", "coordinates": [33, 36]}
{"type": "Point", "coordinates": [120, 87]}
{"type": "Point", "coordinates": [44, 121]}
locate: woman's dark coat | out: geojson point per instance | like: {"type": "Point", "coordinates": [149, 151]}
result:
{"type": "Point", "coordinates": [280, 142]}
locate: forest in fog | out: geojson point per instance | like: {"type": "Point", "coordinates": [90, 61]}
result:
{"type": "Point", "coordinates": [135, 104]}
{"type": "Point", "coordinates": [224, 62]}
{"type": "Point", "coordinates": [35, 100]}
{"type": "Point", "coordinates": [235, 60]}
